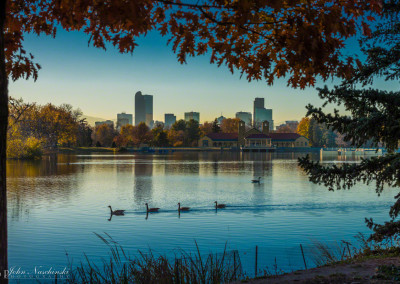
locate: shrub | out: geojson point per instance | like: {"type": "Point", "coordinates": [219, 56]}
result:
{"type": "Point", "coordinates": [31, 148]}
{"type": "Point", "coordinates": [178, 144]}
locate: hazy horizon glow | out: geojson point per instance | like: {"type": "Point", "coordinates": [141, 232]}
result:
{"type": "Point", "coordinates": [103, 83]}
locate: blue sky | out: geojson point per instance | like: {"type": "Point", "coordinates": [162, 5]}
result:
{"type": "Point", "coordinates": [103, 83]}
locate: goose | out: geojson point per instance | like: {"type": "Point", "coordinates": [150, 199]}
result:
{"type": "Point", "coordinates": [116, 212]}
{"type": "Point", "coordinates": [256, 180]}
{"type": "Point", "coordinates": [219, 205]}
{"type": "Point", "coordinates": [182, 208]}
{"type": "Point", "coordinates": [151, 209]}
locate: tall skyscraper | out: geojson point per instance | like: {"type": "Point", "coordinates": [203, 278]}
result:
{"type": "Point", "coordinates": [140, 108]}
{"type": "Point", "coordinates": [123, 119]}
{"type": "Point", "coordinates": [261, 114]}
{"type": "Point", "coordinates": [169, 119]}
{"type": "Point", "coordinates": [148, 100]}
{"type": "Point", "coordinates": [192, 115]}
{"type": "Point", "coordinates": [143, 109]}
{"type": "Point", "coordinates": [244, 116]}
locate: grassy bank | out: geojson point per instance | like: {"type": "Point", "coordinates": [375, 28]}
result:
{"type": "Point", "coordinates": [344, 263]}
{"type": "Point", "coordinates": [149, 268]}
{"type": "Point", "coordinates": [370, 263]}
{"type": "Point", "coordinates": [86, 150]}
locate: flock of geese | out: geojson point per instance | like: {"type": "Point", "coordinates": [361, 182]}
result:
{"type": "Point", "coordinates": [155, 209]}
{"type": "Point", "coordinates": [180, 209]}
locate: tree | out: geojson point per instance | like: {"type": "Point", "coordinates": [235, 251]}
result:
{"type": "Point", "coordinates": [262, 39]}
{"type": "Point", "coordinates": [206, 128]}
{"type": "Point", "coordinates": [126, 136]}
{"type": "Point", "coordinates": [179, 125]}
{"type": "Point", "coordinates": [142, 133]}
{"type": "Point", "coordinates": [329, 138]}
{"type": "Point", "coordinates": [176, 138]}
{"type": "Point", "coordinates": [230, 125]}
{"type": "Point", "coordinates": [215, 127]}
{"type": "Point", "coordinates": [160, 138]}
{"type": "Point", "coordinates": [56, 125]}
{"type": "Point", "coordinates": [284, 129]}
{"type": "Point", "coordinates": [192, 132]}
{"type": "Point", "coordinates": [303, 127]}
{"type": "Point", "coordinates": [339, 140]}
{"type": "Point", "coordinates": [104, 135]}
{"type": "Point", "coordinates": [374, 117]}
{"type": "Point", "coordinates": [84, 135]}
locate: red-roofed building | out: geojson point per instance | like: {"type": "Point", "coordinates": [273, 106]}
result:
{"type": "Point", "coordinates": [219, 140]}
{"type": "Point", "coordinates": [280, 140]}
{"type": "Point", "coordinates": [254, 139]}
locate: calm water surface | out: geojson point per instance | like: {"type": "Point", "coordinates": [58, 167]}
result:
{"type": "Point", "coordinates": [56, 205]}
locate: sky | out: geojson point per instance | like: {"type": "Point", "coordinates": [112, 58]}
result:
{"type": "Point", "coordinates": [103, 83]}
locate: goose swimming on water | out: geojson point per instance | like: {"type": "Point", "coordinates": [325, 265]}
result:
{"type": "Point", "coordinates": [151, 209]}
{"type": "Point", "coordinates": [182, 208]}
{"type": "Point", "coordinates": [219, 205]}
{"type": "Point", "coordinates": [256, 180]}
{"type": "Point", "coordinates": [116, 212]}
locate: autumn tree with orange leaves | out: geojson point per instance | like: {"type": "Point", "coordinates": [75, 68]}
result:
{"type": "Point", "coordinates": [261, 39]}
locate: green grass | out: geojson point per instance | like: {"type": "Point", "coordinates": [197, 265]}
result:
{"type": "Point", "coordinates": [86, 150]}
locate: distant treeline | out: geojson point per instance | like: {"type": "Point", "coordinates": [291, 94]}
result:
{"type": "Point", "coordinates": [35, 128]}
{"type": "Point", "coordinates": [181, 134]}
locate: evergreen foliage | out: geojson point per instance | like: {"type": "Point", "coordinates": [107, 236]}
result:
{"type": "Point", "coordinates": [374, 119]}
{"type": "Point", "coordinates": [215, 127]}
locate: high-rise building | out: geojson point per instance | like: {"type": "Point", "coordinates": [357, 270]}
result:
{"type": "Point", "coordinates": [192, 115]}
{"type": "Point", "coordinates": [220, 119]}
{"type": "Point", "coordinates": [140, 108]}
{"type": "Point", "coordinates": [148, 100]}
{"type": "Point", "coordinates": [108, 122]}
{"type": "Point", "coordinates": [169, 119]}
{"type": "Point", "coordinates": [123, 119]}
{"type": "Point", "coordinates": [261, 114]}
{"type": "Point", "coordinates": [244, 116]}
{"type": "Point", "coordinates": [258, 103]}
{"type": "Point", "coordinates": [158, 124]}
{"type": "Point", "coordinates": [289, 125]}
{"type": "Point", "coordinates": [143, 109]}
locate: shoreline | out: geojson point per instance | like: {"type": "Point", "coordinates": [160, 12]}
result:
{"type": "Point", "coordinates": [371, 270]}
{"type": "Point", "coordinates": [166, 150]}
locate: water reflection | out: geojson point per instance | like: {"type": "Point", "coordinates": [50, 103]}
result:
{"type": "Point", "coordinates": [56, 204]}
{"type": "Point", "coordinates": [29, 183]}
{"type": "Point", "coordinates": [143, 182]}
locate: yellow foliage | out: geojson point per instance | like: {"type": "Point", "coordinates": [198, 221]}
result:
{"type": "Point", "coordinates": [303, 127]}
{"type": "Point", "coordinates": [30, 148]}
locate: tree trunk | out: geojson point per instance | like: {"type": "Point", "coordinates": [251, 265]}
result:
{"type": "Point", "coordinates": [3, 141]}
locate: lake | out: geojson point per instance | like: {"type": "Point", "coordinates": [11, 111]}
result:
{"type": "Point", "coordinates": [57, 204]}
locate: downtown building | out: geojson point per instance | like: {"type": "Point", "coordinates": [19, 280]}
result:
{"type": "Point", "coordinates": [124, 119]}
{"type": "Point", "coordinates": [244, 116]}
{"type": "Point", "coordinates": [143, 109]}
{"type": "Point", "coordinates": [107, 122]}
{"type": "Point", "coordinates": [192, 115]}
{"type": "Point", "coordinates": [260, 113]}
{"type": "Point", "coordinates": [220, 119]}
{"type": "Point", "coordinates": [169, 119]}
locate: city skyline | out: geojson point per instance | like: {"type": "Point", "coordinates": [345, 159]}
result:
{"type": "Point", "coordinates": [102, 83]}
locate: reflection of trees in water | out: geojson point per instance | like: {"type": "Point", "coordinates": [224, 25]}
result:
{"type": "Point", "coordinates": [44, 181]}
{"type": "Point", "coordinates": [174, 164]}
{"type": "Point", "coordinates": [143, 182]}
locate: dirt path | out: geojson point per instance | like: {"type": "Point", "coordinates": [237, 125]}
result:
{"type": "Point", "coordinates": [357, 272]}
